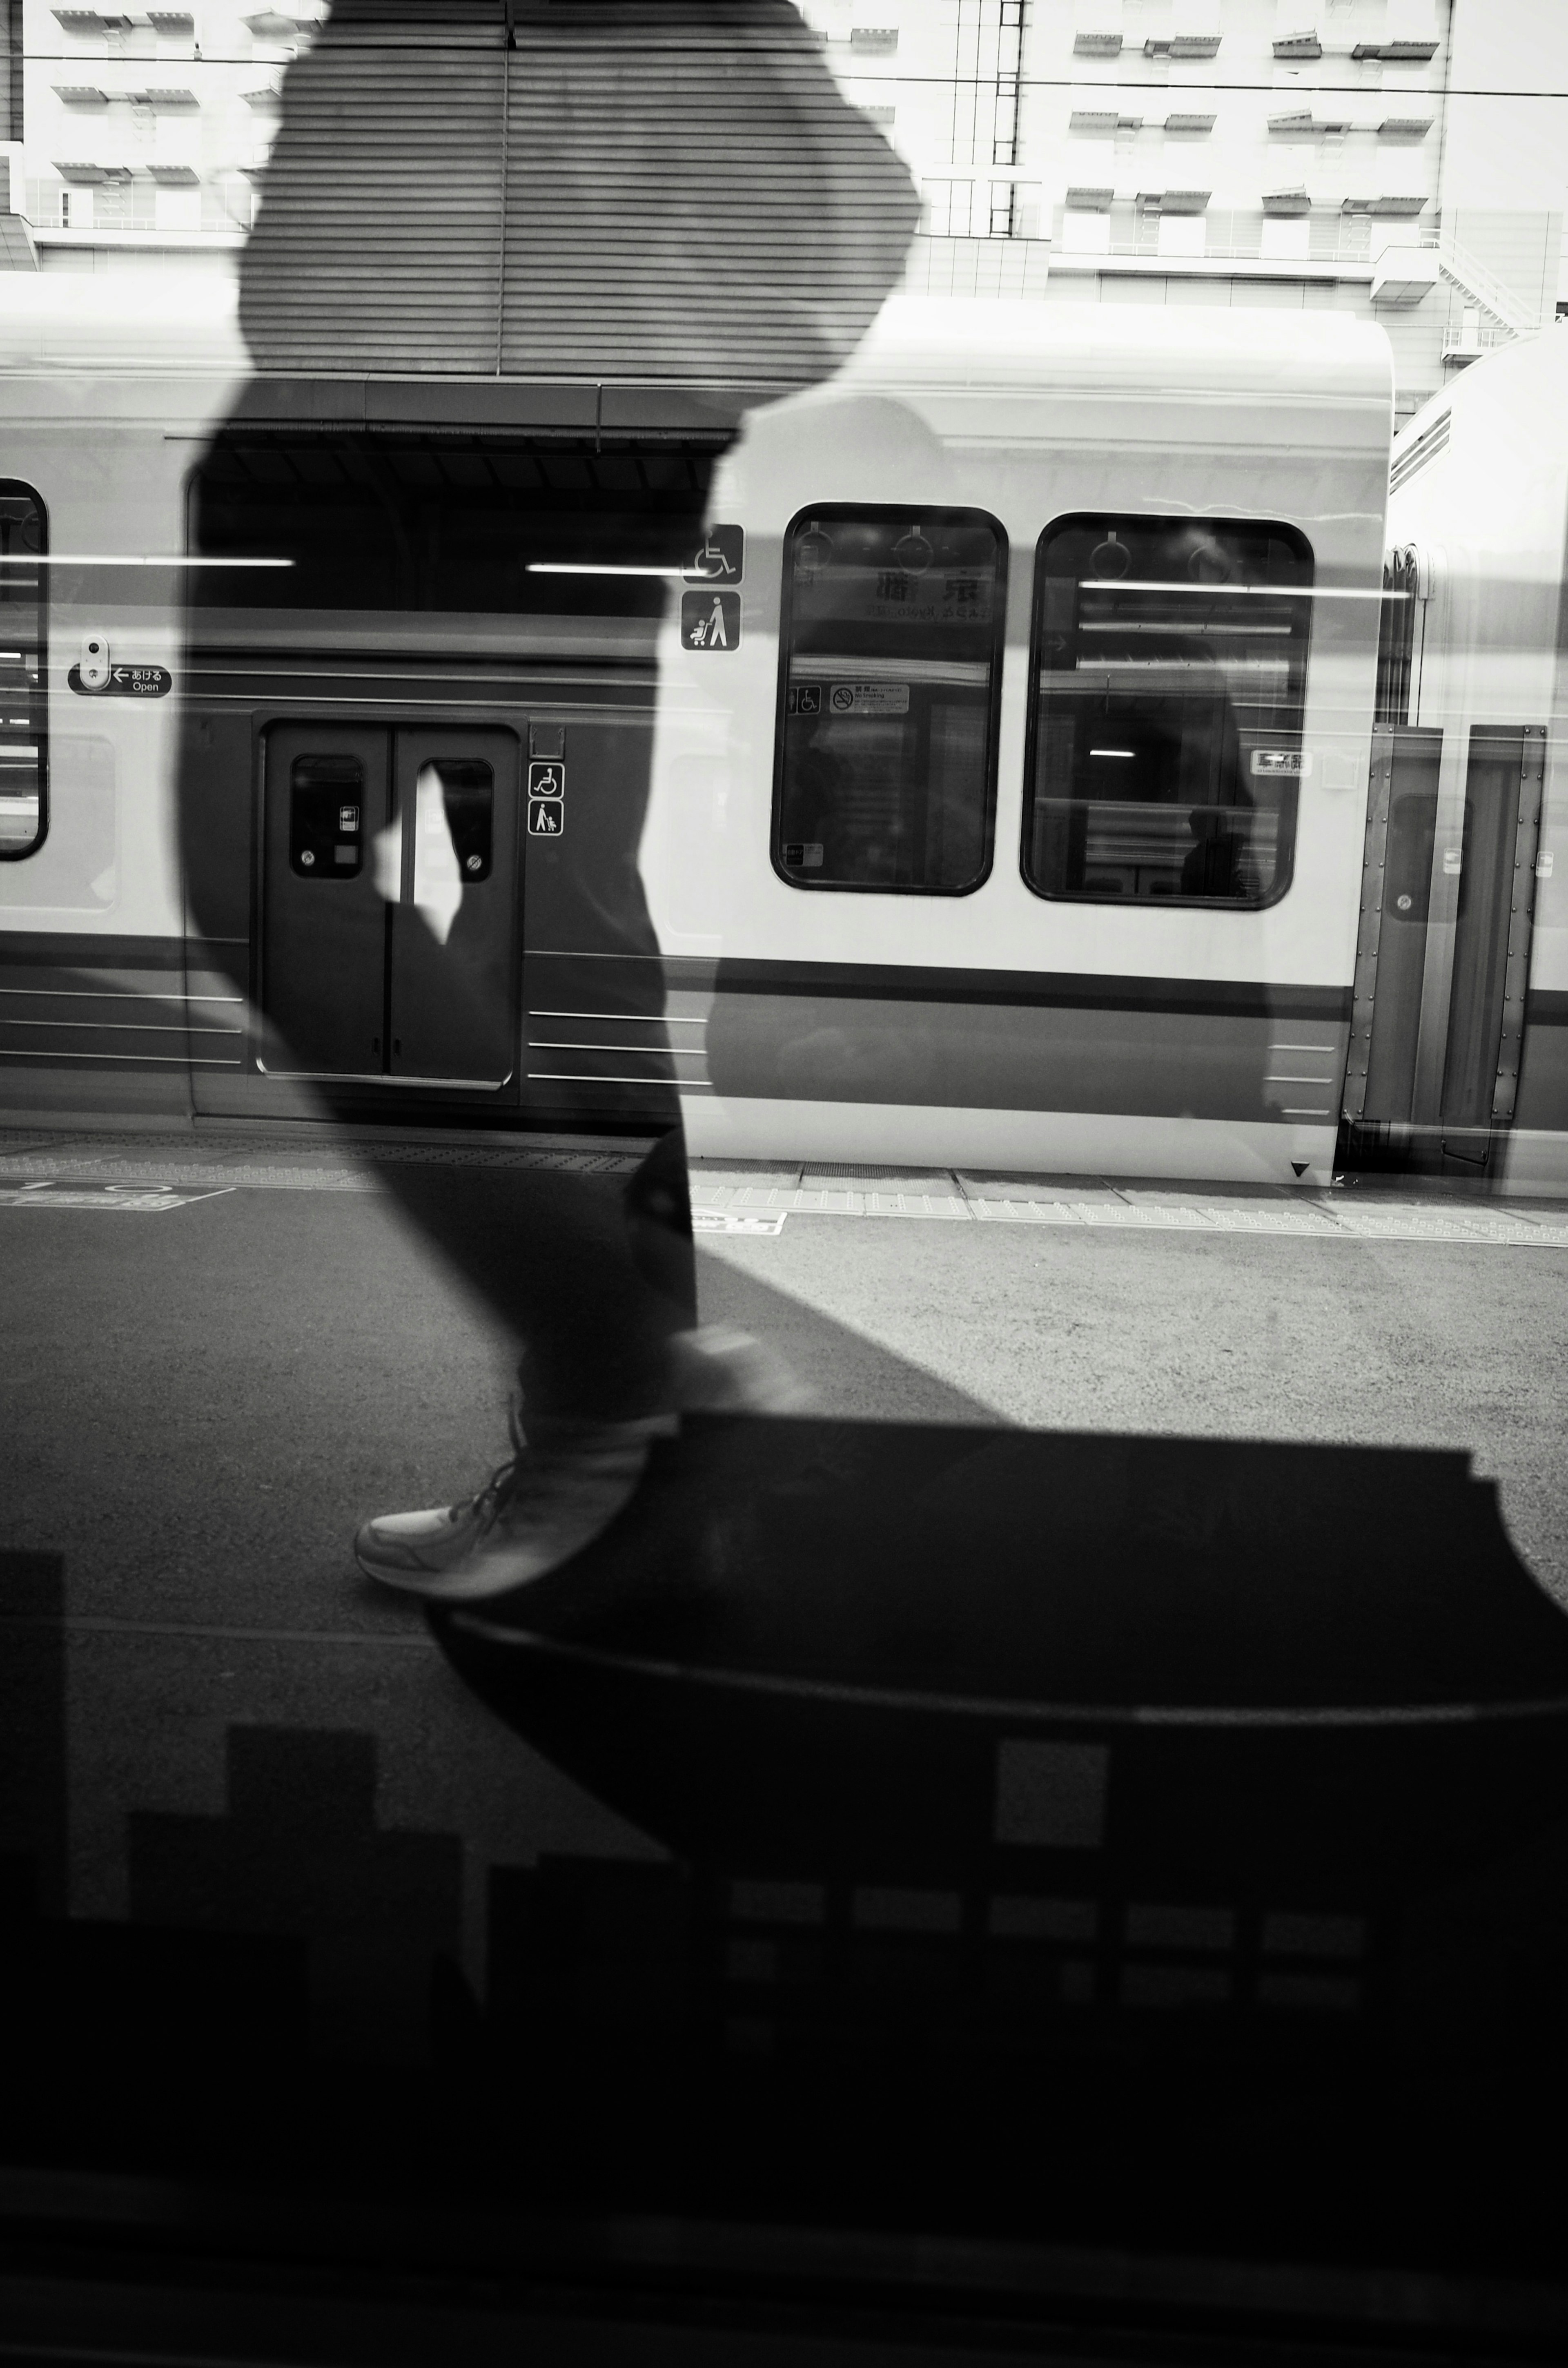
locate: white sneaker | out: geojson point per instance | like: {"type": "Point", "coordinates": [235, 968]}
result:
{"type": "Point", "coordinates": [555, 1497]}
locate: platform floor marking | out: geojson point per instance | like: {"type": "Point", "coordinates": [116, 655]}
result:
{"type": "Point", "coordinates": [1313, 1219]}
{"type": "Point", "coordinates": [125, 1199]}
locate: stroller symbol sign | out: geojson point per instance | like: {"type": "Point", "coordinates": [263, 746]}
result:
{"type": "Point", "coordinates": [547, 818]}
{"type": "Point", "coordinates": [710, 620]}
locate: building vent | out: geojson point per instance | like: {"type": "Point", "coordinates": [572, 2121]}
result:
{"type": "Point", "coordinates": [1427, 447]}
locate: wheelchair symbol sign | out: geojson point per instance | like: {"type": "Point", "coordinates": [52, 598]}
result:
{"type": "Point", "coordinates": [547, 818]}
{"type": "Point", "coordinates": [546, 781]}
{"type": "Point", "coordinates": [719, 558]}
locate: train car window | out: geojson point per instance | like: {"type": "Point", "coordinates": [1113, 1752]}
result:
{"type": "Point", "coordinates": [24, 540]}
{"type": "Point", "coordinates": [453, 523]}
{"type": "Point", "coordinates": [1396, 636]}
{"type": "Point", "coordinates": [890, 654]}
{"type": "Point", "coordinates": [1165, 722]}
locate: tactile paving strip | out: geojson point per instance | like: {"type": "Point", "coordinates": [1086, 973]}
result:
{"type": "Point", "coordinates": [1308, 1218]}
{"type": "Point", "coordinates": [740, 1201]}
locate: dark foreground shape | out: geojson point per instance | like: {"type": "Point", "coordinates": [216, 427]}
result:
{"type": "Point", "coordinates": [1294, 1676]}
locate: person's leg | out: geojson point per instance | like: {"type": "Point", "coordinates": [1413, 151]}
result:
{"type": "Point", "coordinates": [592, 1274]}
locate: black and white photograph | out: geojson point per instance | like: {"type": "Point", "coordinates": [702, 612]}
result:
{"type": "Point", "coordinates": [777, 812]}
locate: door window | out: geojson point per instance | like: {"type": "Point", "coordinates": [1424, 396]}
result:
{"type": "Point", "coordinates": [326, 817]}
{"type": "Point", "coordinates": [891, 660]}
{"type": "Point", "coordinates": [1165, 727]}
{"type": "Point", "coordinates": [468, 796]}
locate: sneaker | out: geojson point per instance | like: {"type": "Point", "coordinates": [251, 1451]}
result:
{"type": "Point", "coordinates": [553, 1498]}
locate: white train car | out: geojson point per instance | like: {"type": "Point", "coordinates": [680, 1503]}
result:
{"type": "Point", "coordinates": [1462, 1059]}
{"type": "Point", "coordinates": [1130, 947]}
{"type": "Point", "coordinates": [1013, 727]}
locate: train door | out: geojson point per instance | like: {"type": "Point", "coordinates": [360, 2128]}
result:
{"type": "Point", "coordinates": [1447, 902]}
{"type": "Point", "coordinates": [390, 903]}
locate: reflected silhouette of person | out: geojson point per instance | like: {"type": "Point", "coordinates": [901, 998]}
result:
{"type": "Point", "coordinates": [747, 232]}
{"type": "Point", "coordinates": [1213, 866]}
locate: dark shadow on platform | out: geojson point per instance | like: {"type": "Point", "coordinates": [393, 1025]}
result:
{"type": "Point", "coordinates": [1134, 1842]}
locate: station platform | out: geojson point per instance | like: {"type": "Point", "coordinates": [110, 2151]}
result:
{"type": "Point", "coordinates": [227, 1349]}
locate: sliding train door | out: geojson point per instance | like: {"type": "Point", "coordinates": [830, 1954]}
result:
{"type": "Point", "coordinates": [1447, 907]}
{"type": "Point", "coordinates": [390, 903]}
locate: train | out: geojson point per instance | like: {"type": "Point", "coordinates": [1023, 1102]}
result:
{"type": "Point", "coordinates": [1039, 740]}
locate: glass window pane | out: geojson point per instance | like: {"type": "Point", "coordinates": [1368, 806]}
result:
{"type": "Point", "coordinates": [891, 654]}
{"type": "Point", "coordinates": [468, 793]}
{"type": "Point", "coordinates": [326, 817]}
{"type": "Point", "coordinates": [470, 523]}
{"type": "Point", "coordinates": [23, 814]}
{"type": "Point", "coordinates": [1170, 658]}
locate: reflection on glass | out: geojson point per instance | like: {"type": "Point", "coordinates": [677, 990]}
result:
{"type": "Point", "coordinates": [326, 817]}
{"type": "Point", "coordinates": [22, 720]}
{"type": "Point", "coordinates": [891, 646]}
{"type": "Point", "coordinates": [1170, 657]}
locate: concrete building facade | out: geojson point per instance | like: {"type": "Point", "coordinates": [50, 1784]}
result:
{"type": "Point", "coordinates": [1404, 158]}
{"type": "Point", "coordinates": [142, 135]}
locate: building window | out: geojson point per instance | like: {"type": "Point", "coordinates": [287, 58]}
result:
{"type": "Point", "coordinates": [1166, 716]}
{"type": "Point", "coordinates": [23, 540]}
{"type": "Point", "coordinates": [1183, 234]}
{"type": "Point", "coordinates": [1287, 238]}
{"type": "Point", "coordinates": [891, 653]}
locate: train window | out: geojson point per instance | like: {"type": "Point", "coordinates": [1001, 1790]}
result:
{"type": "Point", "coordinates": [1396, 637]}
{"type": "Point", "coordinates": [889, 665]}
{"type": "Point", "coordinates": [1165, 723]}
{"type": "Point", "coordinates": [455, 524]}
{"type": "Point", "coordinates": [24, 811]}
